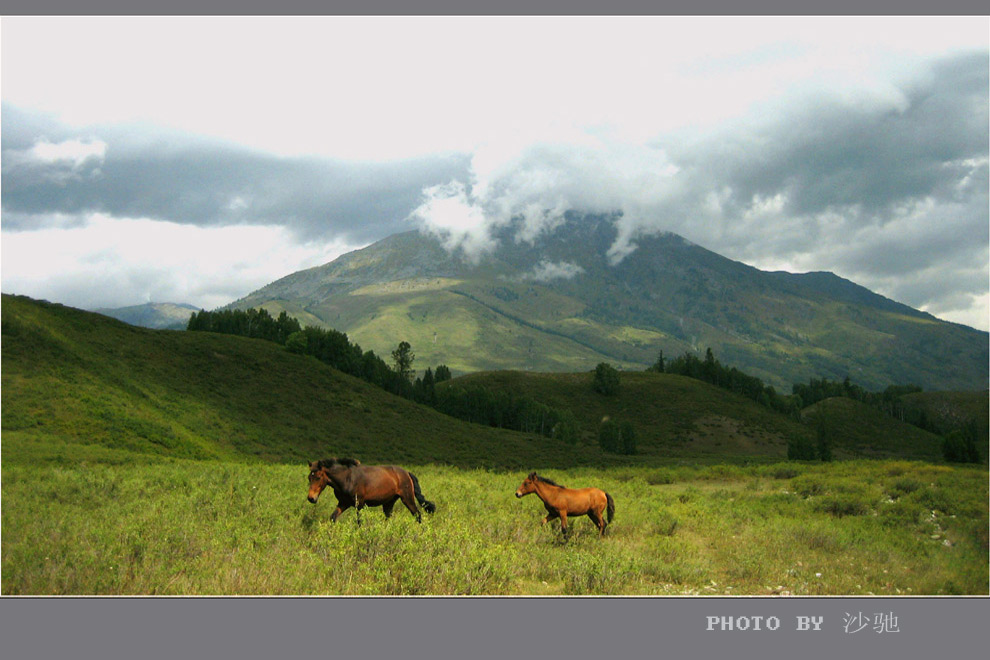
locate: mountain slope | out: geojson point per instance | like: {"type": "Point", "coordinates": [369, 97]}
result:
{"type": "Point", "coordinates": [161, 316]}
{"type": "Point", "coordinates": [560, 304]}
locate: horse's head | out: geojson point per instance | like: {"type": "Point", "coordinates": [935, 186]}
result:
{"type": "Point", "coordinates": [318, 480]}
{"type": "Point", "coordinates": [528, 485]}
{"type": "Point", "coordinates": [325, 472]}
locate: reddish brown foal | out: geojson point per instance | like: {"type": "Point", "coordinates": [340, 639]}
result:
{"type": "Point", "coordinates": [562, 502]}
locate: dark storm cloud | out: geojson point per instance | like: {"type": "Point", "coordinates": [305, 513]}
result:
{"type": "Point", "coordinates": [151, 173]}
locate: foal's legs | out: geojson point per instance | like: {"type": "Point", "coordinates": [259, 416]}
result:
{"type": "Point", "coordinates": [563, 523]}
{"type": "Point", "coordinates": [596, 517]}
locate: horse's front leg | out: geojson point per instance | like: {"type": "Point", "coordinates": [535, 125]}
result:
{"type": "Point", "coordinates": [551, 514]}
{"type": "Point", "coordinates": [563, 523]}
{"type": "Point", "coordinates": [342, 505]}
{"type": "Point", "coordinates": [357, 510]}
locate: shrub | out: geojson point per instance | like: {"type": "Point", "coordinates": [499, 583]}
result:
{"type": "Point", "coordinates": [297, 343]}
{"type": "Point", "coordinates": [664, 525]}
{"type": "Point", "coordinates": [904, 485]}
{"type": "Point", "coordinates": [660, 478]}
{"type": "Point", "coordinates": [784, 472]}
{"type": "Point", "coordinates": [628, 438]}
{"type": "Point", "coordinates": [609, 436]}
{"type": "Point", "coordinates": [932, 499]}
{"type": "Point", "coordinates": [807, 485]}
{"type": "Point", "coordinates": [606, 379]}
{"type": "Point", "coordinates": [617, 439]}
{"type": "Point", "coordinates": [846, 504]}
{"type": "Point", "coordinates": [800, 449]}
{"type": "Point", "coordinates": [566, 429]}
{"type": "Point", "coordinates": [960, 447]}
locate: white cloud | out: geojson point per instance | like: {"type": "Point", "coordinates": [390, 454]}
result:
{"type": "Point", "coordinates": [72, 152]}
{"type": "Point", "coordinates": [449, 213]}
{"type": "Point", "coordinates": [59, 161]}
{"type": "Point", "coordinates": [114, 262]}
{"type": "Point", "coordinates": [548, 270]}
{"type": "Point", "coordinates": [390, 87]}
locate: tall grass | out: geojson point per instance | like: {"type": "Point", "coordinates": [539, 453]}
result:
{"type": "Point", "coordinates": [190, 527]}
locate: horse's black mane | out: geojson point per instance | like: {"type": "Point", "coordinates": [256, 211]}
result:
{"type": "Point", "coordinates": [330, 462]}
{"type": "Point", "coordinates": [545, 480]}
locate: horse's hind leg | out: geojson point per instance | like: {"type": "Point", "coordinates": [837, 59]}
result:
{"type": "Point", "coordinates": [596, 517]}
{"type": "Point", "coordinates": [410, 503]}
{"type": "Point", "coordinates": [387, 507]}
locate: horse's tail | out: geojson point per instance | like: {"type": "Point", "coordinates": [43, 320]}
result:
{"type": "Point", "coordinates": [610, 507]}
{"type": "Point", "coordinates": [427, 505]}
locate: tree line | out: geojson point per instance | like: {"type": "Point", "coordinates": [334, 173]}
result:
{"type": "Point", "coordinates": [711, 371]}
{"type": "Point", "coordinates": [475, 404]}
{"type": "Point", "coordinates": [959, 442]}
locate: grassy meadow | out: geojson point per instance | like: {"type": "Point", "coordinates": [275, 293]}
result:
{"type": "Point", "coordinates": [159, 462]}
{"type": "Point", "coordinates": [208, 527]}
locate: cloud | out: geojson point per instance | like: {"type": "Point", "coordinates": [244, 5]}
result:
{"type": "Point", "coordinates": [136, 170]}
{"type": "Point", "coordinates": [448, 213]}
{"type": "Point", "coordinates": [114, 262]}
{"type": "Point", "coordinates": [876, 182]}
{"type": "Point", "coordinates": [548, 270]}
{"type": "Point", "coordinates": [57, 162]}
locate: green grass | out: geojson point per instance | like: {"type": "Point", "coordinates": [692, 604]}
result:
{"type": "Point", "coordinates": [207, 527]}
{"type": "Point", "coordinates": [155, 462]}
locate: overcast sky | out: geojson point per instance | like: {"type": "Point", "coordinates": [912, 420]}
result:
{"type": "Point", "coordinates": [197, 159]}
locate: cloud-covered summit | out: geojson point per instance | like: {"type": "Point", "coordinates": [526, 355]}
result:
{"type": "Point", "coordinates": [887, 187]}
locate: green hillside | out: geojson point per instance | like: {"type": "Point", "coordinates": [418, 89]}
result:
{"type": "Point", "coordinates": [675, 416]}
{"type": "Point", "coordinates": [561, 305]}
{"type": "Point", "coordinates": [74, 379]}
{"type": "Point", "coordinates": [859, 430]}
{"type": "Point", "coordinates": [946, 411]}
{"type": "Point", "coordinates": [78, 385]}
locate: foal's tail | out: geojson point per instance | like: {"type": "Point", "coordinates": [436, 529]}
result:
{"type": "Point", "coordinates": [610, 508]}
{"type": "Point", "coordinates": [427, 505]}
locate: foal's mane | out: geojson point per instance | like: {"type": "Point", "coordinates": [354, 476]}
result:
{"type": "Point", "coordinates": [545, 480]}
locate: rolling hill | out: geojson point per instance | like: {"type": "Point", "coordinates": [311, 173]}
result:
{"type": "Point", "coordinates": [678, 417]}
{"type": "Point", "coordinates": [560, 305]}
{"type": "Point", "coordinates": [81, 385]}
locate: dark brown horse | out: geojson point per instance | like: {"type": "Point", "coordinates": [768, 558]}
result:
{"type": "Point", "coordinates": [562, 502]}
{"type": "Point", "coordinates": [360, 485]}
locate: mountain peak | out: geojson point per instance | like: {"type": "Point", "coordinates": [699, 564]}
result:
{"type": "Point", "coordinates": [558, 303]}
